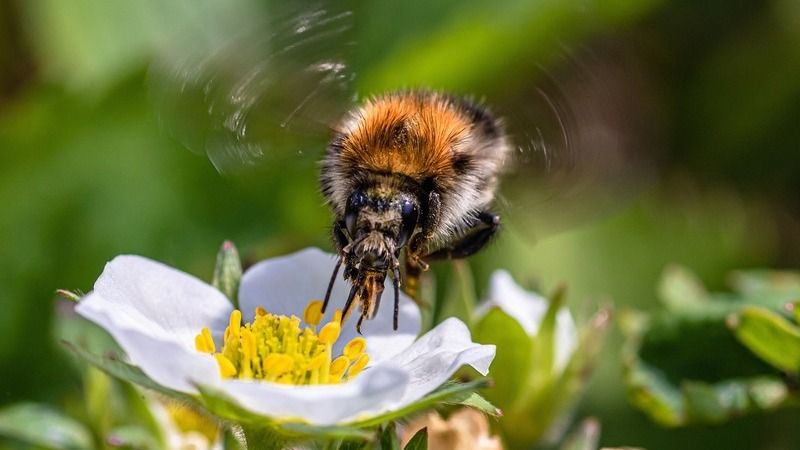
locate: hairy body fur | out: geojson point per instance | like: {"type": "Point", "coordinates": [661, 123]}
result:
{"type": "Point", "coordinates": [440, 142]}
{"type": "Point", "coordinates": [413, 170]}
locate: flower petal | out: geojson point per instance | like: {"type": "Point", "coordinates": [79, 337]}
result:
{"type": "Point", "coordinates": [285, 285]}
{"type": "Point", "coordinates": [374, 389]}
{"type": "Point", "coordinates": [529, 308]}
{"type": "Point", "coordinates": [166, 361]}
{"type": "Point", "coordinates": [153, 312]}
{"type": "Point", "coordinates": [437, 355]}
{"type": "Point", "coordinates": [158, 300]}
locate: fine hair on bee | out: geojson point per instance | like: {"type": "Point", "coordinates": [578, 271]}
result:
{"type": "Point", "coordinates": [415, 172]}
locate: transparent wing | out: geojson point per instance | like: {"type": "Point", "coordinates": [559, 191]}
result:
{"type": "Point", "coordinates": [253, 84]}
{"type": "Point", "coordinates": [583, 143]}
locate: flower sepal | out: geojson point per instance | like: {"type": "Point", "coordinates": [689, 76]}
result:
{"type": "Point", "coordinates": [228, 272]}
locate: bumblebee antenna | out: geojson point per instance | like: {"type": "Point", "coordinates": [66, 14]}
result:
{"type": "Point", "coordinates": [330, 284]}
{"type": "Point", "coordinates": [396, 293]}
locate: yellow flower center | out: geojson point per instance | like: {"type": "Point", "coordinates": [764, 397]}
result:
{"type": "Point", "coordinates": [276, 348]}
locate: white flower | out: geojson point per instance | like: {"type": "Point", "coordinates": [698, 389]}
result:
{"type": "Point", "coordinates": [528, 309]}
{"type": "Point", "coordinates": [156, 312]}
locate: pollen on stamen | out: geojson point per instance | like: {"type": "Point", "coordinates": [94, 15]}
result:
{"type": "Point", "coordinates": [313, 313]}
{"type": "Point", "coordinates": [279, 349]}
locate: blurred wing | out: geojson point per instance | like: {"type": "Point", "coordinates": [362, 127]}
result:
{"type": "Point", "coordinates": [249, 84]}
{"type": "Point", "coordinates": [583, 143]}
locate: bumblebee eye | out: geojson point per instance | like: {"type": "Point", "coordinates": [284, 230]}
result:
{"type": "Point", "coordinates": [409, 214]}
{"type": "Point", "coordinates": [354, 205]}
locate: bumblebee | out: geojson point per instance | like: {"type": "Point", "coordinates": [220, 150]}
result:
{"type": "Point", "coordinates": [412, 171]}
{"type": "Point", "coordinates": [410, 175]}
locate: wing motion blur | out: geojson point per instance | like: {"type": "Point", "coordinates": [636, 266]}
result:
{"type": "Point", "coordinates": [255, 86]}
{"type": "Point", "coordinates": [266, 86]}
{"type": "Point", "coordinates": [584, 141]}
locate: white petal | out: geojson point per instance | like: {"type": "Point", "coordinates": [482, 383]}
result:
{"type": "Point", "coordinates": [154, 312]}
{"type": "Point", "coordinates": [437, 355]}
{"type": "Point", "coordinates": [374, 389]}
{"type": "Point", "coordinates": [285, 285]}
{"type": "Point", "coordinates": [158, 300]}
{"type": "Point", "coordinates": [529, 308]}
{"type": "Point", "coordinates": [168, 362]}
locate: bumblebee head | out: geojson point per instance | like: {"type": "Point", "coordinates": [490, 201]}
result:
{"type": "Point", "coordinates": [381, 219]}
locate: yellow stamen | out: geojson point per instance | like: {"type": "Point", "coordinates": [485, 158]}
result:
{"type": "Point", "coordinates": [355, 347]}
{"type": "Point", "coordinates": [277, 348]}
{"type": "Point", "coordinates": [337, 316]}
{"type": "Point", "coordinates": [313, 314]}
{"type": "Point", "coordinates": [318, 361]}
{"type": "Point", "coordinates": [204, 343]}
{"type": "Point", "coordinates": [248, 343]}
{"type": "Point", "coordinates": [330, 332]}
{"type": "Point", "coordinates": [358, 366]}
{"type": "Point", "coordinates": [339, 365]}
{"type": "Point", "coordinates": [226, 367]}
{"type": "Point", "coordinates": [235, 323]}
{"type": "Point", "coordinates": [277, 364]}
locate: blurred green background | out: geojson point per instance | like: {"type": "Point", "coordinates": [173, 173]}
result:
{"type": "Point", "coordinates": [86, 173]}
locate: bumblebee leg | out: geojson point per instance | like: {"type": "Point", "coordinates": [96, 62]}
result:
{"type": "Point", "coordinates": [477, 237]}
{"type": "Point", "coordinates": [358, 324]}
{"type": "Point", "coordinates": [341, 240]}
{"type": "Point", "coordinates": [349, 302]}
{"type": "Point", "coordinates": [340, 237]}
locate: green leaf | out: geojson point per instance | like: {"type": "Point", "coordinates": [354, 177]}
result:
{"type": "Point", "coordinates": [652, 393]}
{"type": "Point", "coordinates": [548, 408]}
{"type": "Point", "coordinates": [585, 437]}
{"type": "Point", "coordinates": [684, 365]}
{"type": "Point", "coordinates": [419, 441]}
{"type": "Point", "coordinates": [234, 438]}
{"type": "Point", "coordinates": [97, 391]}
{"type": "Point", "coordinates": [228, 272]}
{"type": "Point", "coordinates": [44, 426]}
{"type": "Point", "coordinates": [477, 401]}
{"type": "Point", "coordinates": [138, 411]}
{"type": "Point", "coordinates": [513, 359]}
{"type": "Point", "coordinates": [256, 437]}
{"type": "Point", "coordinates": [355, 445]}
{"type": "Point", "coordinates": [703, 404]}
{"type": "Point", "coordinates": [681, 289]}
{"type": "Point", "coordinates": [770, 336]}
{"type": "Point", "coordinates": [756, 282]}
{"type": "Point", "coordinates": [388, 438]}
{"type": "Point", "coordinates": [461, 297]}
{"type": "Point", "coordinates": [544, 343]}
